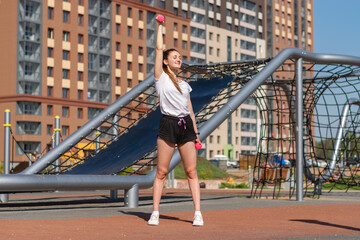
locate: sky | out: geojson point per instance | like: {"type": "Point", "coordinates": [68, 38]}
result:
{"type": "Point", "coordinates": [337, 27]}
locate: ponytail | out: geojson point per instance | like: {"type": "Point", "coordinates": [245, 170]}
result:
{"type": "Point", "coordinates": [166, 70]}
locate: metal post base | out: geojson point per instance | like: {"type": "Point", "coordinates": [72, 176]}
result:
{"type": "Point", "coordinates": [131, 197]}
{"type": "Point", "coordinates": [317, 188]}
{"type": "Point", "coordinates": [114, 194]}
{"type": "Point", "coordinates": [4, 198]}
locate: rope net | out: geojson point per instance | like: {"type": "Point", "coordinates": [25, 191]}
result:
{"type": "Point", "coordinates": [326, 89]}
{"type": "Point", "coordinates": [139, 108]}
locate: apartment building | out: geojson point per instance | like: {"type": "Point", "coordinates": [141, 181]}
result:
{"type": "Point", "coordinates": [72, 58]}
{"type": "Point", "coordinates": [289, 24]}
{"type": "Point", "coordinates": [235, 31]}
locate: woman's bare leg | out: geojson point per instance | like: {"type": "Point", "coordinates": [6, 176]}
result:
{"type": "Point", "coordinates": [188, 156]}
{"type": "Point", "coordinates": [165, 153]}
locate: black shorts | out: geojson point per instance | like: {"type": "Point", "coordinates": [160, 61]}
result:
{"type": "Point", "coordinates": [178, 130]}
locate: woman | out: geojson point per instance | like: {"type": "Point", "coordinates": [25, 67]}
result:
{"type": "Point", "coordinates": [177, 126]}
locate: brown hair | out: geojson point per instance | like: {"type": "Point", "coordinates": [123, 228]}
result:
{"type": "Point", "coordinates": [166, 70]}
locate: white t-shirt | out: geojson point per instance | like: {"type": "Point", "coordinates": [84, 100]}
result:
{"type": "Point", "coordinates": [172, 102]}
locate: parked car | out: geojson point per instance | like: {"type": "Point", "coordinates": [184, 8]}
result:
{"type": "Point", "coordinates": [316, 163]}
{"type": "Point", "coordinates": [233, 164]}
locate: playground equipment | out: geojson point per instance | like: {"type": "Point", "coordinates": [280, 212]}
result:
{"type": "Point", "coordinates": [127, 128]}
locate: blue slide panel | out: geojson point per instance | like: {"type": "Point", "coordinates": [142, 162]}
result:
{"type": "Point", "coordinates": [141, 139]}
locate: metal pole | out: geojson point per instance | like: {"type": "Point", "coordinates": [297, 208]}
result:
{"type": "Point", "coordinates": [7, 124]}
{"type": "Point", "coordinates": [57, 141]}
{"type": "Point", "coordinates": [299, 131]}
{"type": "Point", "coordinates": [97, 139]}
{"type": "Point", "coordinates": [131, 197]}
{"type": "Point", "coordinates": [171, 179]}
{"type": "Point", "coordinates": [114, 192]}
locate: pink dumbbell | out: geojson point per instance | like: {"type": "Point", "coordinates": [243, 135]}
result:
{"type": "Point", "coordinates": [160, 18]}
{"type": "Point", "coordinates": [198, 145]}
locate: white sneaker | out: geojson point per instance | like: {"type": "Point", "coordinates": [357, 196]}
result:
{"type": "Point", "coordinates": [154, 219]}
{"type": "Point", "coordinates": [198, 220]}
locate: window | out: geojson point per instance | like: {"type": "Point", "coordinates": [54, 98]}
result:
{"type": "Point", "coordinates": [80, 113]}
{"type": "Point", "coordinates": [28, 128]}
{"type": "Point", "coordinates": [80, 76]}
{"type": "Point", "coordinates": [210, 50]}
{"type": "Point", "coordinates": [117, 28]}
{"type": "Point", "coordinates": [66, 36]}
{"type": "Point", "coordinates": [175, 26]}
{"type": "Point", "coordinates": [65, 93]}
{"type": "Point", "coordinates": [66, 16]}
{"type": "Point", "coordinates": [140, 15]}
{"type": "Point", "coordinates": [129, 32]}
{"type": "Point", "coordinates": [129, 83]}
{"type": "Point", "coordinates": [50, 52]}
{"type": "Point", "coordinates": [65, 130]}
{"type": "Point", "coordinates": [129, 66]}
{"type": "Point", "coordinates": [80, 94]}
{"type": "Point", "coordinates": [129, 12]}
{"type": "Point", "coordinates": [184, 44]}
{"type": "Point", "coordinates": [129, 48]}
{"type": "Point", "coordinates": [50, 13]}
{"type": "Point", "coordinates": [50, 71]}
{"type": "Point", "coordinates": [117, 81]}
{"type": "Point", "coordinates": [218, 52]}
{"type": "Point", "coordinates": [175, 42]}
{"type": "Point", "coordinates": [65, 111]}
{"type": "Point", "coordinates": [211, 36]}
{"type": "Point", "coordinates": [140, 33]}
{"type": "Point", "coordinates": [81, 2]}
{"type": "Point", "coordinates": [117, 46]}
{"type": "Point", "coordinates": [49, 91]}
{"type": "Point", "coordinates": [117, 64]}
{"type": "Point", "coordinates": [211, 139]}
{"type": "Point", "coordinates": [51, 33]}
{"type": "Point", "coordinates": [184, 28]}
{"type": "Point", "coordinates": [80, 39]}
{"type": "Point", "coordinates": [218, 139]}
{"type": "Point", "coordinates": [49, 129]}
{"type": "Point", "coordinates": [140, 51]}
{"type": "Point", "coordinates": [66, 74]}
{"type": "Point", "coordinates": [49, 110]}
{"type": "Point", "coordinates": [31, 108]}
{"type": "Point", "coordinates": [80, 57]}
{"type": "Point", "coordinates": [117, 9]}
{"type": "Point", "coordinates": [66, 55]}
{"type": "Point", "coordinates": [140, 67]}
{"type": "Point", "coordinates": [80, 19]}
{"type": "Point", "coordinates": [248, 113]}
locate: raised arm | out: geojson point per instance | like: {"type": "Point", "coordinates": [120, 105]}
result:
{"type": "Point", "coordinates": [159, 52]}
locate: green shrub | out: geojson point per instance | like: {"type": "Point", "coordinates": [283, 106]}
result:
{"type": "Point", "coordinates": [205, 169]}
{"type": "Point", "coordinates": [234, 185]}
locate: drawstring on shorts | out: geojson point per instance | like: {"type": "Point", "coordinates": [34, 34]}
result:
{"type": "Point", "coordinates": [182, 120]}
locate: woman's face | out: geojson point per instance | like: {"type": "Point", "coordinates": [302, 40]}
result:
{"type": "Point", "coordinates": [174, 60]}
